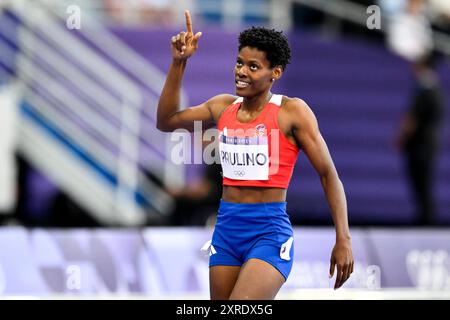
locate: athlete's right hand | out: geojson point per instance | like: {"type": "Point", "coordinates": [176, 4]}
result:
{"type": "Point", "coordinates": [185, 43]}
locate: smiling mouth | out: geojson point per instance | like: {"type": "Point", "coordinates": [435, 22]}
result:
{"type": "Point", "coordinates": [242, 84]}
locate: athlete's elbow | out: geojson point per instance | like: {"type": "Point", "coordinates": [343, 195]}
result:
{"type": "Point", "coordinates": [162, 126]}
{"type": "Point", "coordinates": [162, 123]}
{"type": "Point", "coordinates": [327, 174]}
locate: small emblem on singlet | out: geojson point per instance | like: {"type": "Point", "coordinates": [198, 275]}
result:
{"type": "Point", "coordinates": [260, 130]}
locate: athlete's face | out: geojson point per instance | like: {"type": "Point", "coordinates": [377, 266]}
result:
{"type": "Point", "coordinates": [252, 72]}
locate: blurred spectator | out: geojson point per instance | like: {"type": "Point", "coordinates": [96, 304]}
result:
{"type": "Point", "coordinates": [419, 136]}
{"type": "Point", "coordinates": [409, 32]}
{"type": "Point", "coordinates": [155, 12]}
{"type": "Point", "coordinates": [197, 204]}
{"type": "Point", "coordinates": [440, 12]}
{"type": "Point", "coordinates": [391, 8]}
{"type": "Point", "coordinates": [410, 36]}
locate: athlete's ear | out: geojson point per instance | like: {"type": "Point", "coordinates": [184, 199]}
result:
{"type": "Point", "coordinates": [277, 72]}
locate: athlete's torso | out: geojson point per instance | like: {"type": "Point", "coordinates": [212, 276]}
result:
{"type": "Point", "coordinates": [248, 178]}
{"type": "Point", "coordinates": [253, 194]}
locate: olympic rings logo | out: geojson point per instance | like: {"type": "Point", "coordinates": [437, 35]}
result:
{"type": "Point", "coordinates": [239, 173]}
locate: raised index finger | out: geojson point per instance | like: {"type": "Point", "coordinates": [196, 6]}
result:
{"type": "Point", "coordinates": [188, 21]}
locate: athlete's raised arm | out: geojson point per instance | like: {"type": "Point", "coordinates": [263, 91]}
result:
{"type": "Point", "coordinates": [169, 116]}
{"type": "Point", "coordinates": [307, 134]}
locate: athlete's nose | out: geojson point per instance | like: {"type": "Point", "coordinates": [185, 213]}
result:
{"type": "Point", "coordinates": [241, 73]}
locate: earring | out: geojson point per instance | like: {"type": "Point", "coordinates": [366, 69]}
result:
{"type": "Point", "coordinates": [272, 80]}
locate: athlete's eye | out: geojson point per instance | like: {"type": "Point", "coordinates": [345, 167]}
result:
{"type": "Point", "coordinates": [253, 67]}
{"type": "Point", "coordinates": [238, 64]}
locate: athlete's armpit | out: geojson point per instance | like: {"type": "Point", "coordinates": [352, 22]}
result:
{"type": "Point", "coordinates": [208, 113]}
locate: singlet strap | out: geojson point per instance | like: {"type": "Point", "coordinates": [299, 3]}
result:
{"type": "Point", "coordinates": [238, 100]}
{"type": "Point", "coordinates": [276, 99]}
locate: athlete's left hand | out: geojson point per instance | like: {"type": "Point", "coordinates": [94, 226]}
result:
{"type": "Point", "coordinates": [342, 260]}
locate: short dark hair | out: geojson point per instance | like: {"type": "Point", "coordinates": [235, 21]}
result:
{"type": "Point", "coordinates": [273, 43]}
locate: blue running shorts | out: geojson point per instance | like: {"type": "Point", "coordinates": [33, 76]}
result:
{"type": "Point", "coordinates": [253, 230]}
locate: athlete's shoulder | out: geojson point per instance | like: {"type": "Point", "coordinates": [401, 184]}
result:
{"type": "Point", "coordinates": [295, 105]}
{"type": "Point", "coordinates": [297, 111]}
{"type": "Point", "coordinates": [222, 100]}
{"type": "Point", "coordinates": [219, 103]}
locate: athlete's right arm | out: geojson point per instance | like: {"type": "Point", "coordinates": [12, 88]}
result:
{"type": "Point", "coordinates": [169, 117]}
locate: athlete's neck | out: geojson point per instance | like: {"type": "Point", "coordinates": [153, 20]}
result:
{"type": "Point", "coordinates": [256, 103]}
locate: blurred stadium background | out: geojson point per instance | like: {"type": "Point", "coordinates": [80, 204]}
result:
{"type": "Point", "coordinates": [90, 200]}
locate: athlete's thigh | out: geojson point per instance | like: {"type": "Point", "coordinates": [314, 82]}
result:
{"type": "Point", "coordinates": [258, 280]}
{"type": "Point", "coordinates": [222, 280]}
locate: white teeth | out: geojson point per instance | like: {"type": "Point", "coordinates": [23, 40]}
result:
{"type": "Point", "coordinates": [242, 84]}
